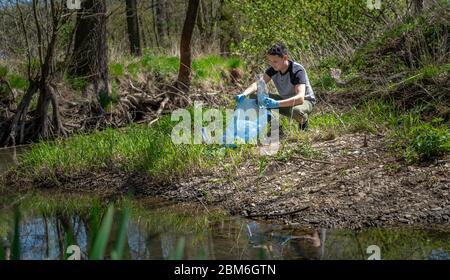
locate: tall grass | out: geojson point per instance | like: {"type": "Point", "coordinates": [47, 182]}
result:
{"type": "Point", "coordinates": [372, 116]}
{"type": "Point", "coordinates": [133, 148]}
{"type": "Point", "coordinates": [414, 139]}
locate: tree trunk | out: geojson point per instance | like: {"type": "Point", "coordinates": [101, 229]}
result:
{"type": "Point", "coordinates": [155, 29]}
{"type": "Point", "coordinates": [417, 6]}
{"type": "Point", "coordinates": [160, 22]}
{"type": "Point", "coordinates": [167, 19]}
{"type": "Point", "coordinates": [90, 57]}
{"type": "Point", "coordinates": [133, 28]}
{"type": "Point", "coordinates": [223, 36]}
{"type": "Point", "coordinates": [143, 32]}
{"type": "Point", "coordinates": [184, 74]}
{"type": "Point", "coordinates": [201, 26]}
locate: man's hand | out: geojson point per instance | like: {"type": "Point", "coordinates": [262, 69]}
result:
{"type": "Point", "coordinates": [239, 98]}
{"type": "Point", "coordinates": [271, 103]}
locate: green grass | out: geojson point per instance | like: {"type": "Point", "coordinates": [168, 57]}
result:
{"type": "Point", "coordinates": [372, 116]}
{"type": "Point", "coordinates": [15, 252]}
{"type": "Point", "coordinates": [78, 84]}
{"type": "Point", "coordinates": [428, 142]}
{"type": "Point", "coordinates": [102, 236]}
{"type": "Point", "coordinates": [204, 68]}
{"type": "Point", "coordinates": [116, 69]}
{"type": "Point", "coordinates": [415, 139]}
{"type": "Point", "coordinates": [212, 67]}
{"type": "Point", "coordinates": [161, 65]}
{"type": "Point", "coordinates": [421, 141]}
{"type": "Point", "coordinates": [176, 218]}
{"type": "Point", "coordinates": [234, 63]}
{"type": "Point", "coordinates": [133, 68]}
{"type": "Point", "coordinates": [3, 71]}
{"type": "Point", "coordinates": [133, 148]}
{"type": "Point", "coordinates": [17, 81]}
{"type": "Point", "coordinates": [427, 72]}
{"type": "Point", "coordinates": [323, 80]}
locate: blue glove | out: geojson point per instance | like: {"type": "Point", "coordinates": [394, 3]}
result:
{"type": "Point", "coordinates": [271, 103]}
{"type": "Point", "coordinates": [239, 98]}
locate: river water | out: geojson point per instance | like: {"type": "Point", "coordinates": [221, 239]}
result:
{"type": "Point", "coordinates": [47, 227]}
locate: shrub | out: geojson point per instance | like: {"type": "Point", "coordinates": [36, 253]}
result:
{"type": "Point", "coordinates": [427, 142]}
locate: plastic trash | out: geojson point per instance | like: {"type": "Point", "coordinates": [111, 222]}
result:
{"type": "Point", "coordinates": [248, 121]}
{"type": "Point", "coordinates": [250, 118]}
{"type": "Point", "coordinates": [261, 90]}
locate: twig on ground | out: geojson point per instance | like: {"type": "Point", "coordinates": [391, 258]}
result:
{"type": "Point", "coordinates": [278, 214]}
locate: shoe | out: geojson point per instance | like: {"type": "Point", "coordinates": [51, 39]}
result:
{"type": "Point", "coordinates": [304, 126]}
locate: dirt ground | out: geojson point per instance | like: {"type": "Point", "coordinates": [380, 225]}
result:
{"type": "Point", "coordinates": [356, 184]}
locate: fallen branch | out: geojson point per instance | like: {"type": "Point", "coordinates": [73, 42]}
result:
{"type": "Point", "coordinates": [203, 204]}
{"type": "Point", "coordinates": [180, 93]}
{"type": "Point", "coordinates": [137, 89]}
{"type": "Point", "coordinates": [278, 214]}
{"type": "Point", "coordinates": [153, 121]}
{"type": "Point", "coordinates": [308, 159]}
{"type": "Point", "coordinates": [312, 160]}
{"type": "Point", "coordinates": [160, 109]}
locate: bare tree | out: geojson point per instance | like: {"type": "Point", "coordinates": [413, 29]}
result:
{"type": "Point", "coordinates": [155, 29]}
{"type": "Point", "coordinates": [90, 55]}
{"type": "Point", "coordinates": [48, 17]}
{"type": "Point", "coordinates": [133, 27]}
{"type": "Point", "coordinates": [184, 74]}
{"type": "Point", "coordinates": [160, 20]}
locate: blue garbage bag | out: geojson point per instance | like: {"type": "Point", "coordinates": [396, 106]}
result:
{"type": "Point", "coordinates": [249, 120]}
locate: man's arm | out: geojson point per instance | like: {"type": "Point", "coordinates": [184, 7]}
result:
{"type": "Point", "coordinates": [298, 99]}
{"type": "Point", "coordinates": [252, 88]}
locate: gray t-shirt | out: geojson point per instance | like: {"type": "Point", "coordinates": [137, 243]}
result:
{"type": "Point", "coordinates": [285, 83]}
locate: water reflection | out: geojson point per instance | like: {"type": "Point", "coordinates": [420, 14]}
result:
{"type": "Point", "coordinates": [287, 244]}
{"type": "Point", "coordinates": [47, 237]}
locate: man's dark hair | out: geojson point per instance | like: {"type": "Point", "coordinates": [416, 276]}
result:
{"type": "Point", "coordinates": [278, 49]}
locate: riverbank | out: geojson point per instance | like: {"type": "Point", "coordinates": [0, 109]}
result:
{"type": "Point", "coordinates": [356, 183]}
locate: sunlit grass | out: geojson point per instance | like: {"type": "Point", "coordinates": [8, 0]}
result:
{"type": "Point", "coordinates": [133, 148]}
{"type": "Point", "coordinates": [204, 68]}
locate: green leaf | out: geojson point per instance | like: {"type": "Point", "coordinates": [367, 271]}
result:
{"type": "Point", "coordinates": [179, 251]}
{"type": "Point", "coordinates": [16, 239]}
{"type": "Point", "coordinates": [3, 71]}
{"type": "Point", "coordinates": [121, 239]}
{"type": "Point", "coordinates": [101, 240]}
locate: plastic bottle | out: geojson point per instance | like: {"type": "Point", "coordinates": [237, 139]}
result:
{"type": "Point", "coordinates": [261, 90]}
